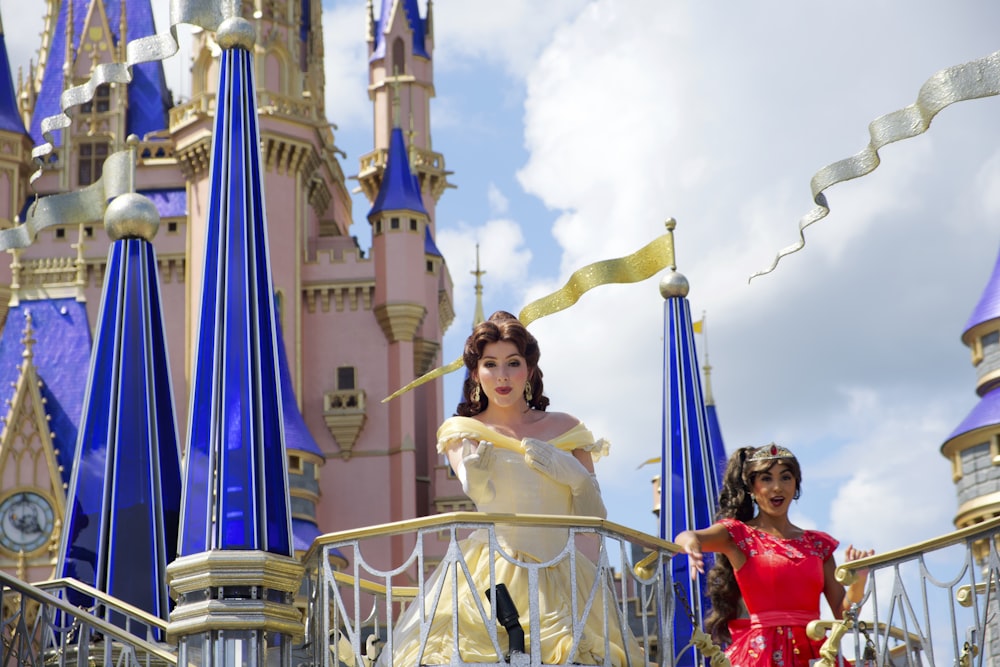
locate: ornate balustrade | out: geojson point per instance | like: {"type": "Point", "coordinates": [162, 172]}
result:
{"type": "Point", "coordinates": [932, 603]}
{"type": "Point", "coordinates": [351, 614]}
{"type": "Point", "coordinates": [41, 627]}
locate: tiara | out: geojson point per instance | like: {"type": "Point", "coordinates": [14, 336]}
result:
{"type": "Point", "coordinates": [770, 451]}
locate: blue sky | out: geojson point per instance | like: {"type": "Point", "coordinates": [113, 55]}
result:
{"type": "Point", "coordinates": [574, 128]}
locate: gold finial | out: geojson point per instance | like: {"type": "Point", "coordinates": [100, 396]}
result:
{"type": "Point", "coordinates": [81, 264]}
{"type": "Point", "coordinates": [702, 328]}
{"type": "Point", "coordinates": [673, 284]}
{"type": "Point", "coordinates": [28, 338]}
{"type": "Point", "coordinates": [122, 33]}
{"type": "Point", "coordinates": [478, 316]}
{"type": "Point", "coordinates": [15, 277]}
{"type": "Point", "coordinates": [68, 56]}
{"type": "Point", "coordinates": [671, 226]}
{"type": "Point", "coordinates": [394, 84]}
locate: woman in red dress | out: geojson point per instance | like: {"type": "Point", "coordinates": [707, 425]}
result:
{"type": "Point", "coordinates": [776, 569]}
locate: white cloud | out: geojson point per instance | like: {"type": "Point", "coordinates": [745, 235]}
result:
{"type": "Point", "coordinates": [503, 257]}
{"type": "Point", "coordinates": [720, 120]}
{"type": "Point", "coordinates": [345, 59]}
{"type": "Point", "coordinates": [498, 202]}
{"type": "Point", "coordinates": [509, 33]}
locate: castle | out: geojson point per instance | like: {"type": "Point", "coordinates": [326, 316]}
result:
{"type": "Point", "coordinates": [355, 325]}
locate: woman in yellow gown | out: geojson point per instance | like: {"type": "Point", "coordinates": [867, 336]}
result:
{"type": "Point", "coordinates": [514, 457]}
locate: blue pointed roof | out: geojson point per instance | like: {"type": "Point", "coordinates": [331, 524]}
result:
{"type": "Point", "coordinates": [988, 307]}
{"type": "Point", "coordinates": [716, 443]}
{"type": "Point", "coordinates": [985, 413]}
{"type": "Point", "coordinates": [400, 189]}
{"type": "Point", "coordinates": [297, 434]}
{"type": "Point", "coordinates": [61, 356]}
{"type": "Point", "coordinates": [10, 118]}
{"type": "Point", "coordinates": [417, 24]}
{"type": "Point", "coordinates": [430, 247]}
{"type": "Point", "coordinates": [689, 461]}
{"type": "Point", "coordinates": [124, 500]}
{"type": "Point", "coordinates": [148, 96]}
{"type": "Point", "coordinates": [236, 479]}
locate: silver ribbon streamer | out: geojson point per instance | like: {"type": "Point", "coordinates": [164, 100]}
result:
{"type": "Point", "coordinates": [88, 205]}
{"type": "Point", "coordinates": [973, 80]}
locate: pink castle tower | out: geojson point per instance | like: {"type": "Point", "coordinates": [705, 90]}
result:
{"type": "Point", "coordinates": [355, 325]}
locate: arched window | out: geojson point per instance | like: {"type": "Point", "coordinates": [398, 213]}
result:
{"type": "Point", "coordinates": [398, 56]}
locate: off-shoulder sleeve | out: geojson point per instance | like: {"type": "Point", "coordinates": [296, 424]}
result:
{"type": "Point", "coordinates": [456, 429]}
{"type": "Point", "coordinates": [580, 437]}
{"type": "Point", "coordinates": [822, 543]}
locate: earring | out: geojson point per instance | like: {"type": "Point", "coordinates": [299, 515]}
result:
{"type": "Point", "coordinates": [527, 392]}
{"type": "Point", "coordinates": [475, 394]}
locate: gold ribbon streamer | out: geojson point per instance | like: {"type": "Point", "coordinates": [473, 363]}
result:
{"type": "Point", "coordinates": [80, 207]}
{"type": "Point", "coordinates": [88, 204]}
{"type": "Point", "coordinates": [973, 80]}
{"type": "Point", "coordinates": [645, 262]}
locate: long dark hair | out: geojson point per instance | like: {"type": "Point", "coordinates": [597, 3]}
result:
{"type": "Point", "coordinates": [735, 502]}
{"type": "Point", "coordinates": [501, 326]}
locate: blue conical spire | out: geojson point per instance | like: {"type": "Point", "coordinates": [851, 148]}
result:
{"type": "Point", "coordinates": [10, 118]}
{"type": "Point", "coordinates": [417, 24]}
{"type": "Point", "coordinates": [125, 492]}
{"type": "Point", "coordinates": [148, 95]}
{"type": "Point", "coordinates": [690, 469]}
{"type": "Point", "coordinates": [988, 306]}
{"type": "Point", "coordinates": [236, 486]}
{"type": "Point", "coordinates": [400, 190]}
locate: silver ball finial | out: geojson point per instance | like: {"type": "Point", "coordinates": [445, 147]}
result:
{"type": "Point", "coordinates": [131, 215]}
{"type": "Point", "coordinates": [236, 32]}
{"type": "Point", "coordinates": [674, 284]}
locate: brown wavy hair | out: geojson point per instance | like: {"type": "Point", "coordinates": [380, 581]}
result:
{"type": "Point", "coordinates": [501, 326]}
{"type": "Point", "coordinates": [735, 502]}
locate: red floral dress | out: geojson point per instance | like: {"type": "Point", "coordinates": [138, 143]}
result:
{"type": "Point", "coordinates": [781, 582]}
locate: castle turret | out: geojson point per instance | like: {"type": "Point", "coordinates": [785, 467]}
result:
{"type": "Point", "coordinates": [399, 226]}
{"type": "Point", "coordinates": [15, 156]}
{"type": "Point", "coordinates": [401, 86]}
{"type": "Point", "coordinates": [85, 34]}
{"type": "Point", "coordinates": [973, 448]}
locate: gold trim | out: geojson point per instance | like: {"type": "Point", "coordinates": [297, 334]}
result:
{"type": "Point", "coordinates": [846, 572]}
{"type": "Point", "coordinates": [234, 568]}
{"type": "Point", "coordinates": [101, 596]}
{"type": "Point", "coordinates": [398, 592]}
{"type": "Point", "coordinates": [206, 615]}
{"type": "Point", "coordinates": [412, 525]}
{"type": "Point", "coordinates": [95, 622]}
{"type": "Point", "coordinates": [980, 507]}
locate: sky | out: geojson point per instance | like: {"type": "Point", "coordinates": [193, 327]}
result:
{"type": "Point", "coordinates": [575, 128]}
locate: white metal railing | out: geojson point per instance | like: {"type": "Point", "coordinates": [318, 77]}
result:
{"type": "Point", "coordinates": [352, 615]}
{"type": "Point", "coordinates": [38, 627]}
{"type": "Point", "coordinates": [932, 603]}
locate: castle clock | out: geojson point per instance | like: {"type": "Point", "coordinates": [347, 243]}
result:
{"type": "Point", "coordinates": [26, 522]}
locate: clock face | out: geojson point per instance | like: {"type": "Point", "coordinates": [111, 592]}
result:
{"type": "Point", "coordinates": [26, 521]}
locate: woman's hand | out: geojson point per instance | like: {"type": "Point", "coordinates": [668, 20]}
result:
{"type": "Point", "coordinates": [856, 591]}
{"type": "Point", "coordinates": [477, 468]}
{"type": "Point", "coordinates": [560, 466]}
{"type": "Point", "coordinates": [856, 554]}
{"type": "Point", "coordinates": [688, 541]}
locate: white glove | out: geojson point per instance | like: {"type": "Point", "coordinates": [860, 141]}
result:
{"type": "Point", "coordinates": [476, 471]}
{"type": "Point", "coordinates": [564, 468]}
